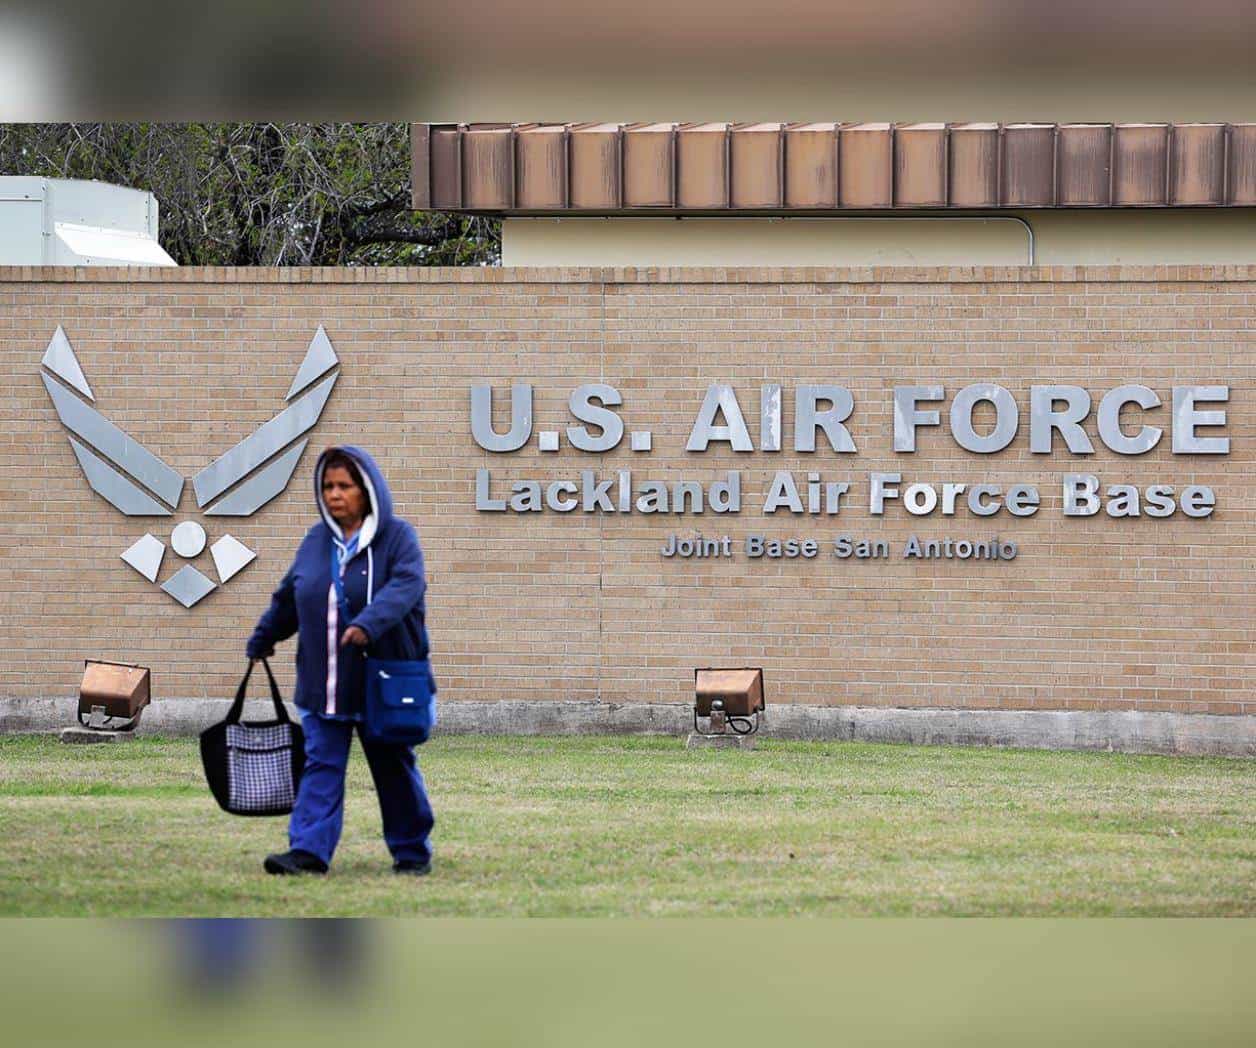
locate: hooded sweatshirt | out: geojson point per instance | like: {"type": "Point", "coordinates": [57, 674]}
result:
{"type": "Point", "coordinates": [382, 585]}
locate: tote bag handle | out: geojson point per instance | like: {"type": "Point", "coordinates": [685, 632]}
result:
{"type": "Point", "coordinates": [237, 707]}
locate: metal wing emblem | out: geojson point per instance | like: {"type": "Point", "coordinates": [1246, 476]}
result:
{"type": "Point", "coordinates": [139, 484]}
{"type": "Point", "coordinates": [270, 446]}
{"type": "Point", "coordinates": [136, 482]}
{"type": "Point", "coordinates": [131, 461]}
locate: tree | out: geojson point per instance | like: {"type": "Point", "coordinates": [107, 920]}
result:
{"type": "Point", "coordinates": [263, 194]}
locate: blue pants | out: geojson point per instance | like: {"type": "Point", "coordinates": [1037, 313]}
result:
{"type": "Point", "coordinates": [319, 811]}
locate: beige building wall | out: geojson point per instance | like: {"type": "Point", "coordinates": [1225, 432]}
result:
{"type": "Point", "coordinates": [1108, 237]}
{"type": "Point", "coordinates": [1093, 612]}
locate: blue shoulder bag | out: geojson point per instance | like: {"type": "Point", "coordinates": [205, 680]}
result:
{"type": "Point", "coordinates": [400, 693]}
{"type": "Point", "coordinates": [400, 701]}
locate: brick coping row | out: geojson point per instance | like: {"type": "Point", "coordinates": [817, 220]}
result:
{"type": "Point", "coordinates": [626, 274]}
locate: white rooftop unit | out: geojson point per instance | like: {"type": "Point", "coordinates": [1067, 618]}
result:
{"type": "Point", "coordinates": [65, 222]}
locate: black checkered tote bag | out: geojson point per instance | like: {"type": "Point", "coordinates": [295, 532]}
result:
{"type": "Point", "coordinates": [254, 767]}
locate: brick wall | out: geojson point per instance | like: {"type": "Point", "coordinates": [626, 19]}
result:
{"type": "Point", "coordinates": [1093, 613]}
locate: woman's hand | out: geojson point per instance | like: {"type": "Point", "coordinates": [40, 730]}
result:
{"type": "Point", "coordinates": [355, 635]}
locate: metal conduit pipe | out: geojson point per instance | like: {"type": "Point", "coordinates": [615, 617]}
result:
{"type": "Point", "coordinates": [967, 216]}
{"type": "Point", "coordinates": [861, 216]}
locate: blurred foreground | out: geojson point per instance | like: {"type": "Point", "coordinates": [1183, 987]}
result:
{"type": "Point", "coordinates": [611, 983]}
{"type": "Point", "coordinates": [481, 60]}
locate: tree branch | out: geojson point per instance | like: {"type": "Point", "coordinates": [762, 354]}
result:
{"type": "Point", "coordinates": [385, 232]}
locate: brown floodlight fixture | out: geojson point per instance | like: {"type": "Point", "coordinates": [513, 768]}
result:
{"type": "Point", "coordinates": [728, 700]}
{"type": "Point", "coordinates": [112, 695]}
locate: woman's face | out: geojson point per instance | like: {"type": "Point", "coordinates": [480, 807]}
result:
{"type": "Point", "coordinates": [345, 501]}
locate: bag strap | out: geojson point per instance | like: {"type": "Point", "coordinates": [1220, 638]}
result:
{"type": "Point", "coordinates": [370, 589]}
{"type": "Point", "coordinates": [237, 707]}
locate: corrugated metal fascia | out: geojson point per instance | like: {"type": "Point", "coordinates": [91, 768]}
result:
{"type": "Point", "coordinates": [719, 168]}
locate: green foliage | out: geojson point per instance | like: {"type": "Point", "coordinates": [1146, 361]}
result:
{"type": "Point", "coordinates": [263, 194]}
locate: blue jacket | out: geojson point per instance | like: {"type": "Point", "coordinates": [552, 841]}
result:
{"type": "Point", "coordinates": [383, 596]}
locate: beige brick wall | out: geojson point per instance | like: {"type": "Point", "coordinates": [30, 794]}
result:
{"type": "Point", "coordinates": [1094, 613]}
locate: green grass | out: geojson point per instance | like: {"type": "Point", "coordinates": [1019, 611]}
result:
{"type": "Point", "coordinates": [638, 826]}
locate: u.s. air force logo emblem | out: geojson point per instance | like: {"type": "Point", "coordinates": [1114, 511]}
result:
{"type": "Point", "coordinates": [237, 484]}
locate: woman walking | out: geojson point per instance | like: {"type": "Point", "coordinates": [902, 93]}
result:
{"type": "Point", "coordinates": [357, 580]}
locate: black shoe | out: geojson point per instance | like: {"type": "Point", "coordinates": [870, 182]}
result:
{"type": "Point", "coordinates": [412, 867]}
{"type": "Point", "coordinates": [294, 862]}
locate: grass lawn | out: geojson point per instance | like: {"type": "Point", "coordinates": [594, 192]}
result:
{"type": "Point", "coordinates": [638, 826]}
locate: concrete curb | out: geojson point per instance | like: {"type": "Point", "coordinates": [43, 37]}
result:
{"type": "Point", "coordinates": [163, 717]}
{"type": "Point", "coordinates": [1194, 734]}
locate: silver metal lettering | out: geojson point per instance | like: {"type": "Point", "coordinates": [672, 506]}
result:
{"type": "Point", "coordinates": [560, 505]}
{"type": "Point", "coordinates": [1022, 500]}
{"type": "Point", "coordinates": [907, 417]}
{"type": "Point", "coordinates": [594, 495]}
{"type": "Point", "coordinates": [950, 492]}
{"type": "Point", "coordinates": [1006, 421]}
{"type": "Point", "coordinates": [652, 497]}
{"type": "Point", "coordinates": [482, 501]}
{"type": "Point", "coordinates": [720, 398]}
{"type": "Point", "coordinates": [1122, 501]}
{"type": "Point", "coordinates": [1110, 431]}
{"type": "Point", "coordinates": [1198, 500]}
{"type": "Point", "coordinates": [979, 500]}
{"type": "Point", "coordinates": [1080, 494]}
{"type": "Point", "coordinates": [807, 418]}
{"type": "Point", "coordinates": [582, 406]}
{"type": "Point", "coordinates": [1043, 418]}
{"type": "Point", "coordinates": [1159, 501]}
{"type": "Point", "coordinates": [920, 499]}
{"type": "Point", "coordinates": [770, 418]}
{"type": "Point", "coordinates": [520, 418]}
{"type": "Point", "coordinates": [725, 496]}
{"type": "Point", "coordinates": [782, 494]}
{"type": "Point", "coordinates": [1186, 418]}
{"type": "Point", "coordinates": [882, 487]}
{"type": "Point", "coordinates": [525, 496]}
